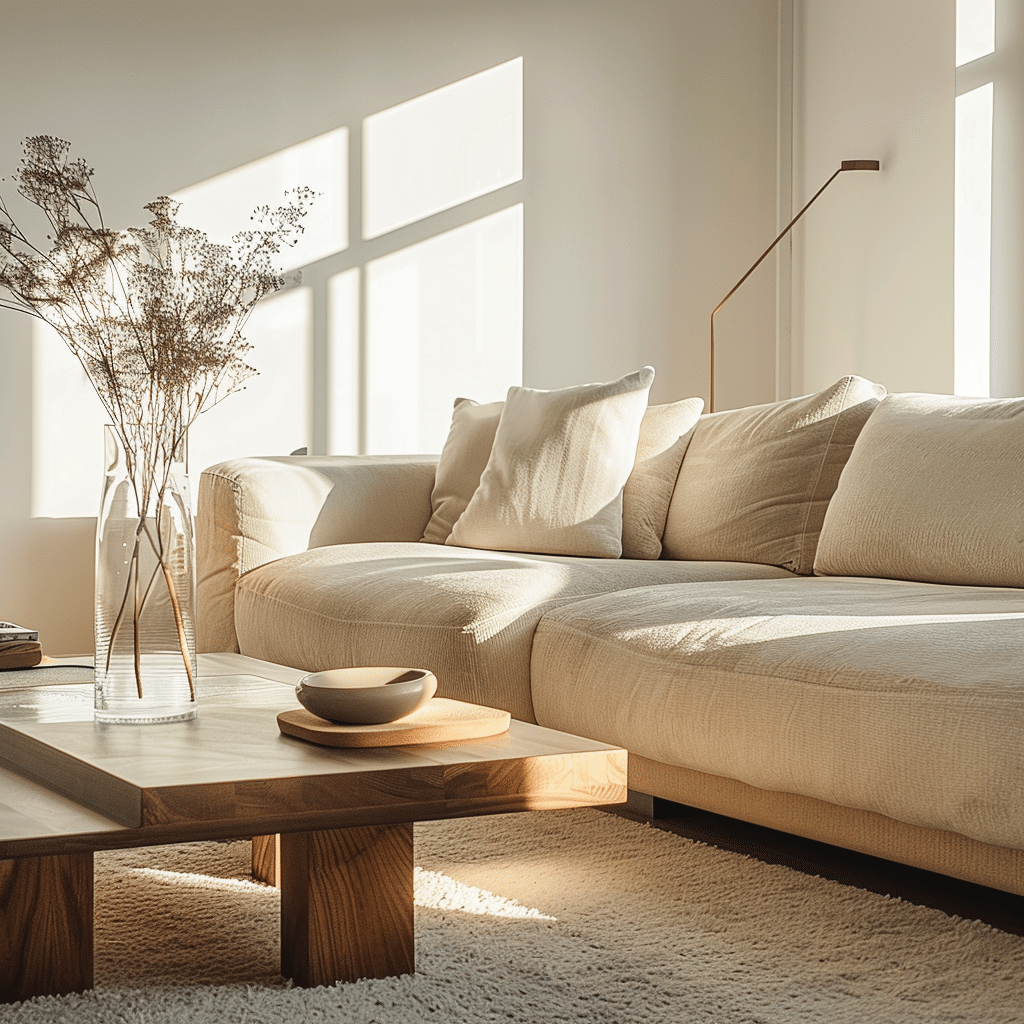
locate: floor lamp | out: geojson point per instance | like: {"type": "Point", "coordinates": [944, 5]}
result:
{"type": "Point", "coordinates": [846, 165]}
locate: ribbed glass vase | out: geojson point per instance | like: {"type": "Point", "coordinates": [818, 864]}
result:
{"type": "Point", "coordinates": [145, 586]}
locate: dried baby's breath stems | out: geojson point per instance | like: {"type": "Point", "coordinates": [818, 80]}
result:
{"type": "Point", "coordinates": [155, 315]}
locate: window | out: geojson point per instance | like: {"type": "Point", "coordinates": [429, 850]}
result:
{"type": "Point", "coordinates": [975, 39]}
{"type": "Point", "coordinates": [975, 30]}
{"type": "Point", "coordinates": [972, 260]}
{"type": "Point", "coordinates": [989, 208]}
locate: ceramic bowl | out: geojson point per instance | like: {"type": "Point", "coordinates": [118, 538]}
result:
{"type": "Point", "coordinates": [365, 696]}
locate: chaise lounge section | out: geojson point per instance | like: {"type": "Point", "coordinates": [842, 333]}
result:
{"type": "Point", "coordinates": [826, 638]}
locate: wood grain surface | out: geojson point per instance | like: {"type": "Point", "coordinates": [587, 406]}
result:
{"type": "Point", "coordinates": [404, 793]}
{"type": "Point", "coordinates": [46, 943]}
{"type": "Point", "coordinates": [333, 825]}
{"type": "Point", "coordinates": [265, 859]}
{"type": "Point", "coordinates": [347, 904]}
{"type": "Point", "coordinates": [232, 765]}
{"type": "Point", "coordinates": [30, 811]}
{"type": "Point", "coordinates": [440, 720]}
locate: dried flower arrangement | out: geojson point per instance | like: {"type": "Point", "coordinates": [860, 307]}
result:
{"type": "Point", "coordinates": [154, 315]}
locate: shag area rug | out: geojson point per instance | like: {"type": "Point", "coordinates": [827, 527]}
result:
{"type": "Point", "coordinates": [555, 916]}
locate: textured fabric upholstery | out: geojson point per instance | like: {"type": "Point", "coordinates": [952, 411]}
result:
{"type": "Point", "coordinates": [865, 831]}
{"type": "Point", "coordinates": [665, 433]}
{"type": "Point", "coordinates": [462, 462]}
{"type": "Point", "coordinates": [755, 482]}
{"type": "Point", "coordinates": [468, 616]}
{"type": "Point", "coordinates": [933, 491]}
{"type": "Point", "coordinates": [554, 479]}
{"type": "Point", "coordinates": [904, 699]}
{"type": "Point", "coordinates": [252, 511]}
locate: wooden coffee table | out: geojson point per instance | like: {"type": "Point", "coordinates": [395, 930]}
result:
{"type": "Point", "coordinates": [334, 826]}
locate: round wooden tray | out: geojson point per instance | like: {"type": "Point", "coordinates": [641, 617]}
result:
{"type": "Point", "coordinates": [440, 720]}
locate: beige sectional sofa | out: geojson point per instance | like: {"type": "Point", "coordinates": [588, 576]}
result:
{"type": "Point", "coordinates": [814, 621]}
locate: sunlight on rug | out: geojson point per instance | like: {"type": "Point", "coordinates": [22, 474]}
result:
{"type": "Point", "coordinates": [436, 891]}
{"type": "Point", "coordinates": [556, 916]}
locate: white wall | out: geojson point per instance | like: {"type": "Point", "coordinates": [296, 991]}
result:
{"type": "Point", "coordinates": [873, 259]}
{"type": "Point", "coordinates": [649, 170]}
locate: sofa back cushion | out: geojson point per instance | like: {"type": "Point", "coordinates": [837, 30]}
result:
{"type": "Point", "coordinates": [933, 491]}
{"type": "Point", "coordinates": [665, 433]}
{"type": "Point", "coordinates": [462, 462]}
{"type": "Point", "coordinates": [755, 482]}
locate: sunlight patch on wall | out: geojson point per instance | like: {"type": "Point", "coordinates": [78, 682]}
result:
{"type": "Point", "coordinates": [397, 384]}
{"type": "Point", "coordinates": [343, 400]}
{"type": "Point", "coordinates": [444, 320]}
{"type": "Point", "coordinates": [972, 258]}
{"type": "Point", "coordinates": [272, 416]}
{"type": "Point", "coordinates": [67, 431]}
{"type": "Point", "coordinates": [221, 206]}
{"type": "Point", "coordinates": [443, 148]}
{"type": "Point", "coordinates": [975, 30]}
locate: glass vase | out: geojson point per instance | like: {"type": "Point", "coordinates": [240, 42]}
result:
{"type": "Point", "coordinates": [145, 585]}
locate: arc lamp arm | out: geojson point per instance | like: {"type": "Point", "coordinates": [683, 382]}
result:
{"type": "Point", "coordinates": [846, 165]}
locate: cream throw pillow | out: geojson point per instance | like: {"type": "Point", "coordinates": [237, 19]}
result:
{"type": "Point", "coordinates": [665, 433]}
{"type": "Point", "coordinates": [756, 482]}
{"type": "Point", "coordinates": [553, 482]}
{"type": "Point", "coordinates": [463, 458]}
{"type": "Point", "coordinates": [934, 492]}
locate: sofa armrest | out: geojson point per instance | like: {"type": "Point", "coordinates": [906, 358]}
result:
{"type": "Point", "coordinates": [252, 511]}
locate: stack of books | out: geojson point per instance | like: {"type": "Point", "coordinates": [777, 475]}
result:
{"type": "Point", "coordinates": [19, 647]}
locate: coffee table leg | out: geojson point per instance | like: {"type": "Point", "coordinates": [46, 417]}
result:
{"type": "Point", "coordinates": [46, 942]}
{"type": "Point", "coordinates": [347, 904]}
{"type": "Point", "coordinates": [266, 860]}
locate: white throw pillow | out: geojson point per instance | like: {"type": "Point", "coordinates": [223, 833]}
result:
{"type": "Point", "coordinates": [553, 482]}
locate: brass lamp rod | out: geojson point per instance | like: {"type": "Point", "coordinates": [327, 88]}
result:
{"type": "Point", "coordinates": [846, 165]}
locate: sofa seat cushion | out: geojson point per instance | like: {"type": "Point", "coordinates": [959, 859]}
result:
{"type": "Point", "coordinates": [465, 614]}
{"type": "Point", "coordinates": [902, 698]}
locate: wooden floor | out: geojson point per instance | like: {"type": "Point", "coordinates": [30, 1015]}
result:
{"type": "Point", "coordinates": [950, 895]}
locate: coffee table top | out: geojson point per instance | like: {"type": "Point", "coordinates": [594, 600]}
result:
{"type": "Point", "coordinates": [232, 772]}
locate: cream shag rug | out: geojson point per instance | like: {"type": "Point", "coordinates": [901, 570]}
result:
{"type": "Point", "coordinates": [551, 916]}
